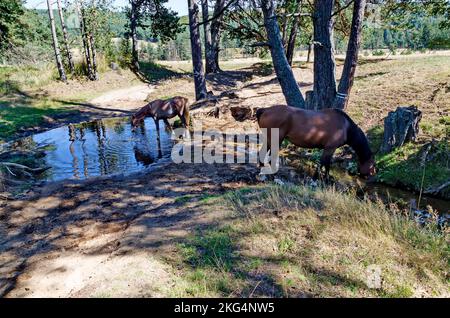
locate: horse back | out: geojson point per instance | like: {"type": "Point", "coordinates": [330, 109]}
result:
{"type": "Point", "coordinates": [306, 128]}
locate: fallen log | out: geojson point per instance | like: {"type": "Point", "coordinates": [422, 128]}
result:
{"type": "Point", "coordinates": [241, 113]}
{"type": "Point", "coordinates": [22, 167]}
{"type": "Point", "coordinates": [437, 189]}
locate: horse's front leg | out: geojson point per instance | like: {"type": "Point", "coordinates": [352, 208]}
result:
{"type": "Point", "coordinates": [325, 161]}
{"type": "Point", "coordinates": [183, 121]}
{"type": "Point", "coordinates": [157, 127]}
{"type": "Point", "coordinates": [169, 127]}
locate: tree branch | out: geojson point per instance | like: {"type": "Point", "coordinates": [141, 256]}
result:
{"type": "Point", "coordinates": [343, 8]}
{"type": "Point", "coordinates": [259, 44]}
{"type": "Point", "coordinates": [218, 14]}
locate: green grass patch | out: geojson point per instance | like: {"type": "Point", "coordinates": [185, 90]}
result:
{"type": "Point", "coordinates": [15, 115]}
{"type": "Point", "coordinates": [210, 259]}
{"type": "Point", "coordinates": [14, 79]}
{"type": "Point", "coordinates": [212, 248]}
{"type": "Point", "coordinates": [406, 166]}
{"type": "Point", "coordinates": [154, 72]}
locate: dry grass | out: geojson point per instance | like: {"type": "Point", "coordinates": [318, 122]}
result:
{"type": "Point", "coordinates": [383, 85]}
{"type": "Point", "coordinates": [295, 241]}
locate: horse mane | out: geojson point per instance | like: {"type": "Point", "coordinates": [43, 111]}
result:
{"type": "Point", "coordinates": [357, 139]}
{"type": "Point", "coordinates": [143, 111]}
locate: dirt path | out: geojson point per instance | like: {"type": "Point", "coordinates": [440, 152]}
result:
{"type": "Point", "coordinates": [129, 98]}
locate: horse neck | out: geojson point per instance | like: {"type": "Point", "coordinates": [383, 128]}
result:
{"type": "Point", "coordinates": [358, 141]}
{"type": "Point", "coordinates": [148, 110]}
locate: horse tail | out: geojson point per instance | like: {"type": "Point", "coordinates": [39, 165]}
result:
{"type": "Point", "coordinates": [259, 112]}
{"type": "Point", "coordinates": [187, 117]}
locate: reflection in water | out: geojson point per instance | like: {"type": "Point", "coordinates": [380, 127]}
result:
{"type": "Point", "coordinates": [98, 148]}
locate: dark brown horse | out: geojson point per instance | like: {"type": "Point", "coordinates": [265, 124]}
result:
{"type": "Point", "coordinates": [327, 129]}
{"type": "Point", "coordinates": [163, 109]}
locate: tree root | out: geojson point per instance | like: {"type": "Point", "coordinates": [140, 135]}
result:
{"type": "Point", "coordinates": [438, 189]}
{"type": "Point", "coordinates": [24, 169]}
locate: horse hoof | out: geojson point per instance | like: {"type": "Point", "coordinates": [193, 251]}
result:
{"type": "Point", "coordinates": [261, 177]}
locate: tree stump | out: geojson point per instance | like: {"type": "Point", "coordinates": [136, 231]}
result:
{"type": "Point", "coordinates": [400, 126]}
{"type": "Point", "coordinates": [241, 113]}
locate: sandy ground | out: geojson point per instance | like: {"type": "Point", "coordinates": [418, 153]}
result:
{"type": "Point", "coordinates": [102, 237]}
{"type": "Point", "coordinates": [129, 98]}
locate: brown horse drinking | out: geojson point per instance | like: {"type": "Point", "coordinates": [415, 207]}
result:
{"type": "Point", "coordinates": [327, 129]}
{"type": "Point", "coordinates": [163, 109]}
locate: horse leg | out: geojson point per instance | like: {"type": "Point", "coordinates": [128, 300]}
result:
{"type": "Point", "coordinates": [266, 145]}
{"type": "Point", "coordinates": [183, 121]}
{"type": "Point", "coordinates": [168, 126]}
{"type": "Point", "coordinates": [158, 136]}
{"type": "Point", "coordinates": [325, 161]}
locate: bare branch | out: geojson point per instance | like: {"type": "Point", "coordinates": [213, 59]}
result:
{"type": "Point", "coordinates": [343, 8]}
{"type": "Point", "coordinates": [217, 15]}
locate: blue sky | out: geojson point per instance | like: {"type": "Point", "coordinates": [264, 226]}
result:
{"type": "Point", "coordinates": [179, 6]}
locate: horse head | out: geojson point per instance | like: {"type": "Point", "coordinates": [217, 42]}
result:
{"type": "Point", "coordinates": [136, 121]}
{"type": "Point", "coordinates": [367, 169]}
{"type": "Point", "coordinates": [139, 117]}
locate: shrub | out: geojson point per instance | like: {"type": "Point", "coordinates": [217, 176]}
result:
{"type": "Point", "coordinates": [377, 53]}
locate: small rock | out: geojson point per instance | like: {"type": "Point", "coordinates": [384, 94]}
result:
{"type": "Point", "coordinates": [48, 120]}
{"type": "Point", "coordinates": [278, 181]}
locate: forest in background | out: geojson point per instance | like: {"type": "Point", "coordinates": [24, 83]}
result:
{"type": "Point", "coordinates": [27, 39]}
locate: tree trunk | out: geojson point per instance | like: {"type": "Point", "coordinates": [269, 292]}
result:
{"type": "Point", "coordinates": [293, 34]}
{"type": "Point", "coordinates": [284, 73]}
{"type": "Point", "coordinates": [351, 59]}
{"type": "Point", "coordinates": [94, 55]}
{"type": "Point", "coordinates": [324, 64]}
{"type": "Point", "coordinates": [308, 58]}
{"type": "Point", "coordinates": [134, 41]}
{"type": "Point", "coordinates": [66, 38]}
{"type": "Point", "coordinates": [215, 37]}
{"type": "Point", "coordinates": [209, 54]}
{"type": "Point", "coordinates": [196, 49]}
{"type": "Point", "coordinates": [284, 29]}
{"type": "Point", "coordinates": [86, 50]}
{"type": "Point", "coordinates": [59, 64]}
{"type": "Point", "coordinates": [92, 41]}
